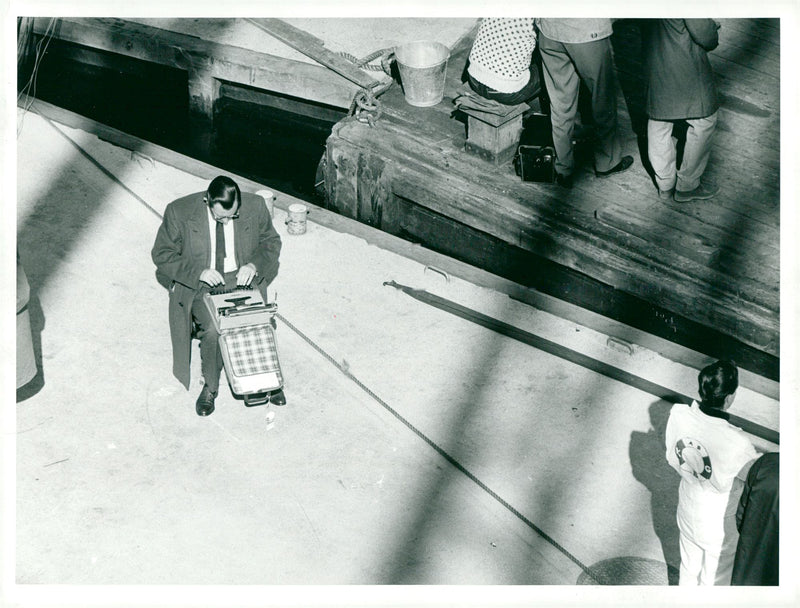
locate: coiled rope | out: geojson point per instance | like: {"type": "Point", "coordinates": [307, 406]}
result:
{"type": "Point", "coordinates": [365, 106]}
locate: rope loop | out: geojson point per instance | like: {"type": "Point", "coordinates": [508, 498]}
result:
{"type": "Point", "coordinates": [365, 107]}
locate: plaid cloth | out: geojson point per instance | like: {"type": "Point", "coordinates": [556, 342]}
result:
{"type": "Point", "coordinates": [252, 350]}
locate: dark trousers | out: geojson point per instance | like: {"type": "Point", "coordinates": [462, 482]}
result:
{"type": "Point", "coordinates": [210, 355]}
{"type": "Point", "coordinates": [526, 94]}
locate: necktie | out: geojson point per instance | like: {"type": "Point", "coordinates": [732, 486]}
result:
{"type": "Point", "coordinates": [220, 249]}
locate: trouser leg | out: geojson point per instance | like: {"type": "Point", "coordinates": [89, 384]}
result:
{"type": "Point", "coordinates": [661, 151]}
{"type": "Point", "coordinates": [722, 570]}
{"type": "Point", "coordinates": [696, 152]}
{"type": "Point", "coordinates": [691, 561]}
{"type": "Point", "coordinates": [563, 85]}
{"type": "Point", "coordinates": [210, 355]}
{"type": "Point", "coordinates": [594, 62]}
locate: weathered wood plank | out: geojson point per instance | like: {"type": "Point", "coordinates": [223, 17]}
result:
{"type": "Point", "coordinates": [702, 243]}
{"type": "Point", "coordinates": [224, 62]}
{"type": "Point", "coordinates": [417, 151]}
{"type": "Point", "coordinates": [617, 260]}
{"type": "Point", "coordinates": [313, 47]}
{"type": "Point", "coordinates": [514, 214]}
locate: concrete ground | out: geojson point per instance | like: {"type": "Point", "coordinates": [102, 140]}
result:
{"type": "Point", "coordinates": [416, 448]}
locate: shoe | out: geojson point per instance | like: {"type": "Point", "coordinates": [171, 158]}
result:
{"type": "Point", "coordinates": [701, 193]}
{"type": "Point", "coordinates": [666, 194]}
{"type": "Point", "coordinates": [623, 165]}
{"type": "Point", "coordinates": [277, 398]}
{"type": "Point", "coordinates": [565, 181]}
{"type": "Point", "coordinates": [205, 402]}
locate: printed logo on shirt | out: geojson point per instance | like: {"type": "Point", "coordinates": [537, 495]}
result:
{"type": "Point", "coordinates": [693, 458]}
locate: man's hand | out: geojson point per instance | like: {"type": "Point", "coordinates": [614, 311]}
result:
{"type": "Point", "coordinates": [211, 277]}
{"type": "Point", "coordinates": [246, 275]}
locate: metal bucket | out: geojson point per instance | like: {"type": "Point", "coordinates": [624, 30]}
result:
{"type": "Point", "coordinates": [422, 66]}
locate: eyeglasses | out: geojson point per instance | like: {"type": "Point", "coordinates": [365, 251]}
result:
{"type": "Point", "coordinates": [222, 219]}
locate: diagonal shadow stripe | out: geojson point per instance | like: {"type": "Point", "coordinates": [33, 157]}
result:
{"type": "Point", "coordinates": [574, 356]}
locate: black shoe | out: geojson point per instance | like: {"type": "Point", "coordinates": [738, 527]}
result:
{"type": "Point", "coordinates": [701, 193]}
{"type": "Point", "coordinates": [205, 402]}
{"type": "Point", "coordinates": [565, 181]}
{"type": "Point", "coordinates": [623, 165]}
{"type": "Point", "coordinates": [277, 397]}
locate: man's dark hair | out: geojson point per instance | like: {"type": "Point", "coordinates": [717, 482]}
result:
{"type": "Point", "coordinates": [223, 191]}
{"type": "Point", "coordinates": [717, 381]}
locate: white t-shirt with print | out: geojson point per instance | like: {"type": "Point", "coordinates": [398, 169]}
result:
{"type": "Point", "coordinates": [712, 457]}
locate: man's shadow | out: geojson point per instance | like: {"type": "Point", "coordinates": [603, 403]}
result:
{"type": "Point", "coordinates": [649, 466]}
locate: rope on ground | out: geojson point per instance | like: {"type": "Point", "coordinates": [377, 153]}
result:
{"type": "Point", "coordinates": [365, 388]}
{"type": "Point", "coordinates": [344, 369]}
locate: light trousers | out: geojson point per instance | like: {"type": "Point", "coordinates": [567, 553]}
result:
{"type": "Point", "coordinates": [662, 150]}
{"type": "Point", "coordinates": [565, 66]}
{"type": "Point", "coordinates": [709, 560]}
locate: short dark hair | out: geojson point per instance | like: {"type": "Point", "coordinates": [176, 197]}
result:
{"type": "Point", "coordinates": [223, 191]}
{"type": "Point", "coordinates": [717, 381]}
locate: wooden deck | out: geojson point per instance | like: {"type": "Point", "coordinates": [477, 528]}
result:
{"type": "Point", "coordinates": [706, 272]}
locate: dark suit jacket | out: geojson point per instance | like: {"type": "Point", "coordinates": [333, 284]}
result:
{"type": "Point", "coordinates": [756, 561]}
{"type": "Point", "coordinates": [182, 251]}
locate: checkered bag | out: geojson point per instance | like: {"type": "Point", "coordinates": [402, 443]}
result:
{"type": "Point", "coordinates": [252, 350]}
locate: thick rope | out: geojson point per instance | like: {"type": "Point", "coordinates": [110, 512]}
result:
{"type": "Point", "coordinates": [364, 63]}
{"type": "Point", "coordinates": [365, 106]}
{"type": "Point", "coordinates": [455, 463]}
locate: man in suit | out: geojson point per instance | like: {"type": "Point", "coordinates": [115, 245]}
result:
{"type": "Point", "coordinates": [220, 237]}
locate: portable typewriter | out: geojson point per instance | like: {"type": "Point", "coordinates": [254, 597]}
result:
{"type": "Point", "coordinates": [246, 341]}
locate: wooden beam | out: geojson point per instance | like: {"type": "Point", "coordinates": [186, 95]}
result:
{"type": "Point", "coordinates": [313, 47]}
{"type": "Point", "coordinates": [221, 61]}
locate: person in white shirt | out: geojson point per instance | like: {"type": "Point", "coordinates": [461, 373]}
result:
{"type": "Point", "coordinates": [713, 458]}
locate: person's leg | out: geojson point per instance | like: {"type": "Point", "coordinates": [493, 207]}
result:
{"type": "Point", "coordinates": [562, 84]}
{"type": "Point", "coordinates": [691, 561]}
{"type": "Point", "coordinates": [211, 358]}
{"type": "Point", "coordinates": [696, 152]}
{"type": "Point", "coordinates": [725, 554]}
{"type": "Point", "coordinates": [595, 65]}
{"type": "Point", "coordinates": [661, 151]}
